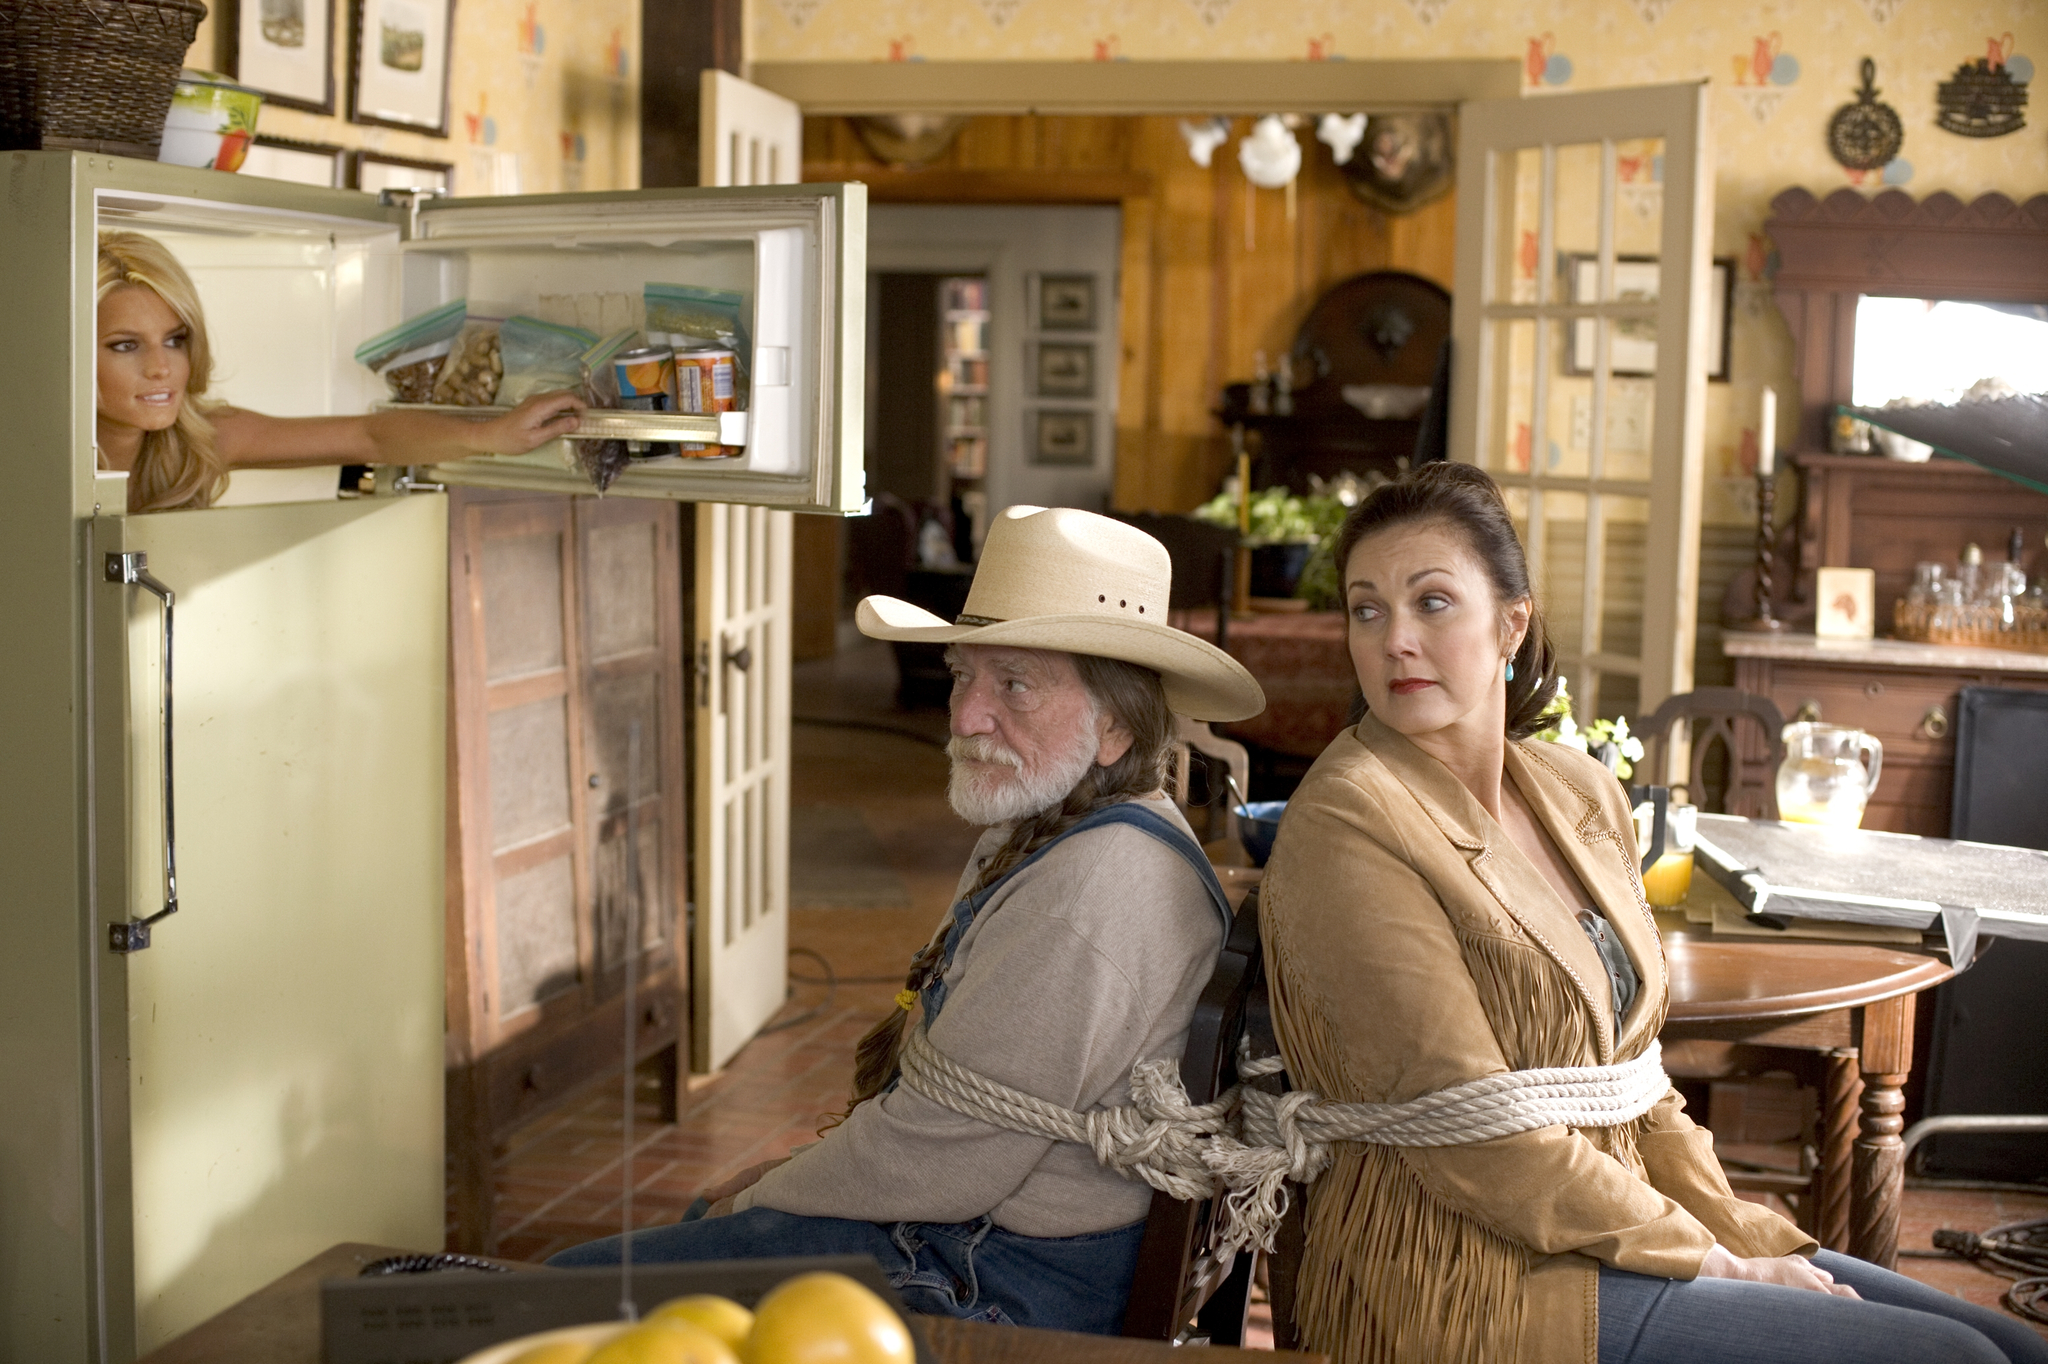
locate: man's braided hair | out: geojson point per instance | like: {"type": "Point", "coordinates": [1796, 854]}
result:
{"type": "Point", "coordinates": [1134, 699]}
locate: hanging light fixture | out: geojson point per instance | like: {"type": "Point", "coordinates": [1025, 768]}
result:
{"type": "Point", "coordinates": [1203, 137]}
{"type": "Point", "coordinates": [1271, 156]}
{"type": "Point", "coordinates": [1341, 133]}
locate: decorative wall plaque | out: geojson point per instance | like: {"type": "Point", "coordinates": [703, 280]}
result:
{"type": "Point", "coordinates": [1981, 100]}
{"type": "Point", "coordinates": [1867, 134]}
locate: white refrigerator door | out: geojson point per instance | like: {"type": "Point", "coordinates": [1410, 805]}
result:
{"type": "Point", "coordinates": [797, 254]}
{"type": "Point", "coordinates": [282, 1045]}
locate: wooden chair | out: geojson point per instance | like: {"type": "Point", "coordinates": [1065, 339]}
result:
{"type": "Point", "coordinates": [1188, 1288]}
{"type": "Point", "coordinates": [1221, 755]}
{"type": "Point", "coordinates": [1723, 717]}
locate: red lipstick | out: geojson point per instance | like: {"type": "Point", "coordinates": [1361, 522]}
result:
{"type": "Point", "coordinates": [1408, 685]}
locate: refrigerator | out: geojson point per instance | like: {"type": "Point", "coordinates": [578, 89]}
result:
{"type": "Point", "coordinates": [256, 694]}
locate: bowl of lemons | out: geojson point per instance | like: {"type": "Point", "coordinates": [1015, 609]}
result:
{"type": "Point", "coordinates": [815, 1318]}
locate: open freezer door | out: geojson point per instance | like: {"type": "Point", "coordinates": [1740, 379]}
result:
{"type": "Point", "coordinates": [1579, 327]}
{"type": "Point", "coordinates": [740, 798]}
{"type": "Point", "coordinates": [794, 257]}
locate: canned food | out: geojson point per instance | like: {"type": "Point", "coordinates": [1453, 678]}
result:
{"type": "Point", "coordinates": [706, 382]}
{"type": "Point", "coordinates": [647, 384]}
{"type": "Point", "coordinates": [645, 372]}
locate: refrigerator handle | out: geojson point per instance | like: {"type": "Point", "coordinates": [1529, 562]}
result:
{"type": "Point", "coordinates": [133, 935]}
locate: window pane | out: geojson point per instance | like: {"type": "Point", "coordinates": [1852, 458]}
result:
{"type": "Point", "coordinates": [1519, 190]}
{"type": "Point", "coordinates": [1507, 432]}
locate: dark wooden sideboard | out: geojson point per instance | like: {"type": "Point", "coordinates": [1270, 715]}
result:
{"type": "Point", "coordinates": [1902, 693]}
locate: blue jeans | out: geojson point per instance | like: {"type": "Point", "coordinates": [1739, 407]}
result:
{"type": "Point", "coordinates": [1645, 1320]}
{"type": "Point", "coordinates": [972, 1269]}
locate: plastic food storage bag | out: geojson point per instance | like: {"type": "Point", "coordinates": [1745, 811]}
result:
{"type": "Point", "coordinates": [410, 355]}
{"type": "Point", "coordinates": [694, 317]}
{"type": "Point", "coordinates": [539, 357]}
{"type": "Point", "coordinates": [469, 376]}
{"type": "Point", "coordinates": [603, 460]}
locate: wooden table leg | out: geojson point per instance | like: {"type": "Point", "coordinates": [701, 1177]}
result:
{"type": "Point", "coordinates": [1839, 1111]}
{"type": "Point", "coordinates": [1886, 1048]}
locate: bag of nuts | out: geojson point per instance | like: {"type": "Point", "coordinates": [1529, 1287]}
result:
{"type": "Point", "coordinates": [469, 377]}
{"type": "Point", "coordinates": [411, 355]}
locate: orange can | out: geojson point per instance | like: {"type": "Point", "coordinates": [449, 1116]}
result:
{"type": "Point", "coordinates": [707, 381]}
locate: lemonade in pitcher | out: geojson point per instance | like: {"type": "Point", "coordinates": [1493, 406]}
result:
{"type": "Point", "coordinates": [1824, 778]}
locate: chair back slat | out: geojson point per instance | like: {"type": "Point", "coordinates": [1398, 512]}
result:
{"type": "Point", "coordinates": [1745, 727]}
{"type": "Point", "coordinates": [1183, 1271]}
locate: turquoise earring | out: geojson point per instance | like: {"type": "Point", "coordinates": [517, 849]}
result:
{"type": "Point", "coordinates": [1511, 670]}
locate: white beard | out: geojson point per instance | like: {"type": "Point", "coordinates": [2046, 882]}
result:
{"type": "Point", "coordinates": [985, 795]}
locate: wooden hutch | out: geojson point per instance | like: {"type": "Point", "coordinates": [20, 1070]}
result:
{"type": "Point", "coordinates": [1864, 511]}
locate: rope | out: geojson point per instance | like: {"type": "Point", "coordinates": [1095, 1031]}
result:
{"type": "Point", "coordinates": [1249, 1144]}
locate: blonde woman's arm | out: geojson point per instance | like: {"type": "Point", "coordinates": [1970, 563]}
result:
{"type": "Point", "coordinates": [251, 440]}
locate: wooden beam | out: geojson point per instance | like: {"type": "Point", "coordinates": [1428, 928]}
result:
{"type": "Point", "coordinates": [1213, 87]}
{"type": "Point", "coordinates": [942, 186]}
{"type": "Point", "coordinates": [679, 39]}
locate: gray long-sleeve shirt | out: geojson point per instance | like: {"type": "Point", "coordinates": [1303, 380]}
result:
{"type": "Point", "coordinates": [1078, 967]}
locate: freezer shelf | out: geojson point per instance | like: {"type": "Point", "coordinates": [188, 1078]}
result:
{"type": "Point", "coordinates": [724, 428]}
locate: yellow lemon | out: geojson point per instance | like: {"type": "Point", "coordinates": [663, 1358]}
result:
{"type": "Point", "coordinates": [554, 1352]}
{"type": "Point", "coordinates": [722, 1317]}
{"type": "Point", "coordinates": [665, 1342]}
{"type": "Point", "coordinates": [826, 1319]}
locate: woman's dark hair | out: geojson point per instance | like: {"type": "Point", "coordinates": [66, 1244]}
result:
{"type": "Point", "coordinates": [1134, 699]}
{"type": "Point", "coordinates": [1462, 497]}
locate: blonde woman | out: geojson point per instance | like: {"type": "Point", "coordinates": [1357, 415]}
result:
{"type": "Point", "coordinates": [154, 365]}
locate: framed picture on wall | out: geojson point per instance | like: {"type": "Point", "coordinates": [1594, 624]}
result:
{"type": "Point", "coordinates": [398, 61]}
{"type": "Point", "coordinates": [373, 172]}
{"type": "Point", "coordinates": [1066, 303]}
{"type": "Point", "coordinates": [1063, 438]}
{"type": "Point", "coordinates": [285, 48]}
{"type": "Point", "coordinates": [1065, 369]}
{"type": "Point", "coordinates": [1634, 344]}
{"type": "Point", "coordinates": [302, 163]}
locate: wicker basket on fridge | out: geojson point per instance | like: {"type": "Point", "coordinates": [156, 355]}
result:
{"type": "Point", "coordinates": [95, 75]}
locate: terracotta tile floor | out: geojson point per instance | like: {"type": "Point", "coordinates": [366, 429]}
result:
{"type": "Point", "coordinates": [560, 1177]}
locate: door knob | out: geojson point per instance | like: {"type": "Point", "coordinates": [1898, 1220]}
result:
{"type": "Point", "coordinates": [741, 658]}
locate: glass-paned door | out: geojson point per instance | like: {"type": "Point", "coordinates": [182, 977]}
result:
{"type": "Point", "coordinates": [1579, 328]}
{"type": "Point", "coordinates": [740, 808]}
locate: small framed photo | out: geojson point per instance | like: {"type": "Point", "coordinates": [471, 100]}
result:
{"type": "Point", "coordinates": [374, 172]}
{"type": "Point", "coordinates": [1845, 601]}
{"type": "Point", "coordinates": [302, 163]}
{"type": "Point", "coordinates": [285, 48]}
{"type": "Point", "coordinates": [1066, 369]}
{"type": "Point", "coordinates": [1063, 438]}
{"type": "Point", "coordinates": [1633, 349]}
{"type": "Point", "coordinates": [1066, 303]}
{"type": "Point", "coordinates": [398, 64]}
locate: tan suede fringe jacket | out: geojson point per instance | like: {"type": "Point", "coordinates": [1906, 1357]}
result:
{"type": "Point", "coordinates": [1411, 946]}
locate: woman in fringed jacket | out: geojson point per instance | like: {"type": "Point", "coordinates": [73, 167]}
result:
{"type": "Point", "coordinates": [1449, 900]}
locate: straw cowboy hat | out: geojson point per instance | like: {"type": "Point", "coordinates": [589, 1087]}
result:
{"type": "Point", "coordinates": [1057, 578]}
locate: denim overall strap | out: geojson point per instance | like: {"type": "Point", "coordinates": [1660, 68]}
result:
{"type": "Point", "coordinates": [933, 994]}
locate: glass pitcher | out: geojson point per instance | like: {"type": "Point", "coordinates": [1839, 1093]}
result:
{"type": "Point", "coordinates": [1824, 778]}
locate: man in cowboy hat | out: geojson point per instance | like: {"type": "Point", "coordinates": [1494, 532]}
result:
{"type": "Point", "coordinates": [1086, 924]}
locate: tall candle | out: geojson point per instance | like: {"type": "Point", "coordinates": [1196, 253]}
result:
{"type": "Point", "coordinates": [1767, 435]}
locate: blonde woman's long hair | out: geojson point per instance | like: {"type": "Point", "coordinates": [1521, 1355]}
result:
{"type": "Point", "coordinates": [179, 466]}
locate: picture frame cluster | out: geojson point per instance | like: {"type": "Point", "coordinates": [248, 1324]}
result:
{"type": "Point", "coordinates": [400, 57]}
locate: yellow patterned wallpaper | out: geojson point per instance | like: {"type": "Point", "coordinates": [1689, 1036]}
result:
{"type": "Point", "coordinates": [1780, 69]}
{"type": "Point", "coordinates": [544, 95]}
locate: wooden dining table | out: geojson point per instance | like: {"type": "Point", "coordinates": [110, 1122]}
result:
{"type": "Point", "coordinates": [1853, 1004]}
{"type": "Point", "coordinates": [280, 1324]}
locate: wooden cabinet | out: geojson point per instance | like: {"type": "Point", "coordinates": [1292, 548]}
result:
{"type": "Point", "coordinates": [566, 732]}
{"type": "Point", "coordinates": [1864, 511]}
{"type": "Point", "coordinates": [1905, 694]}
